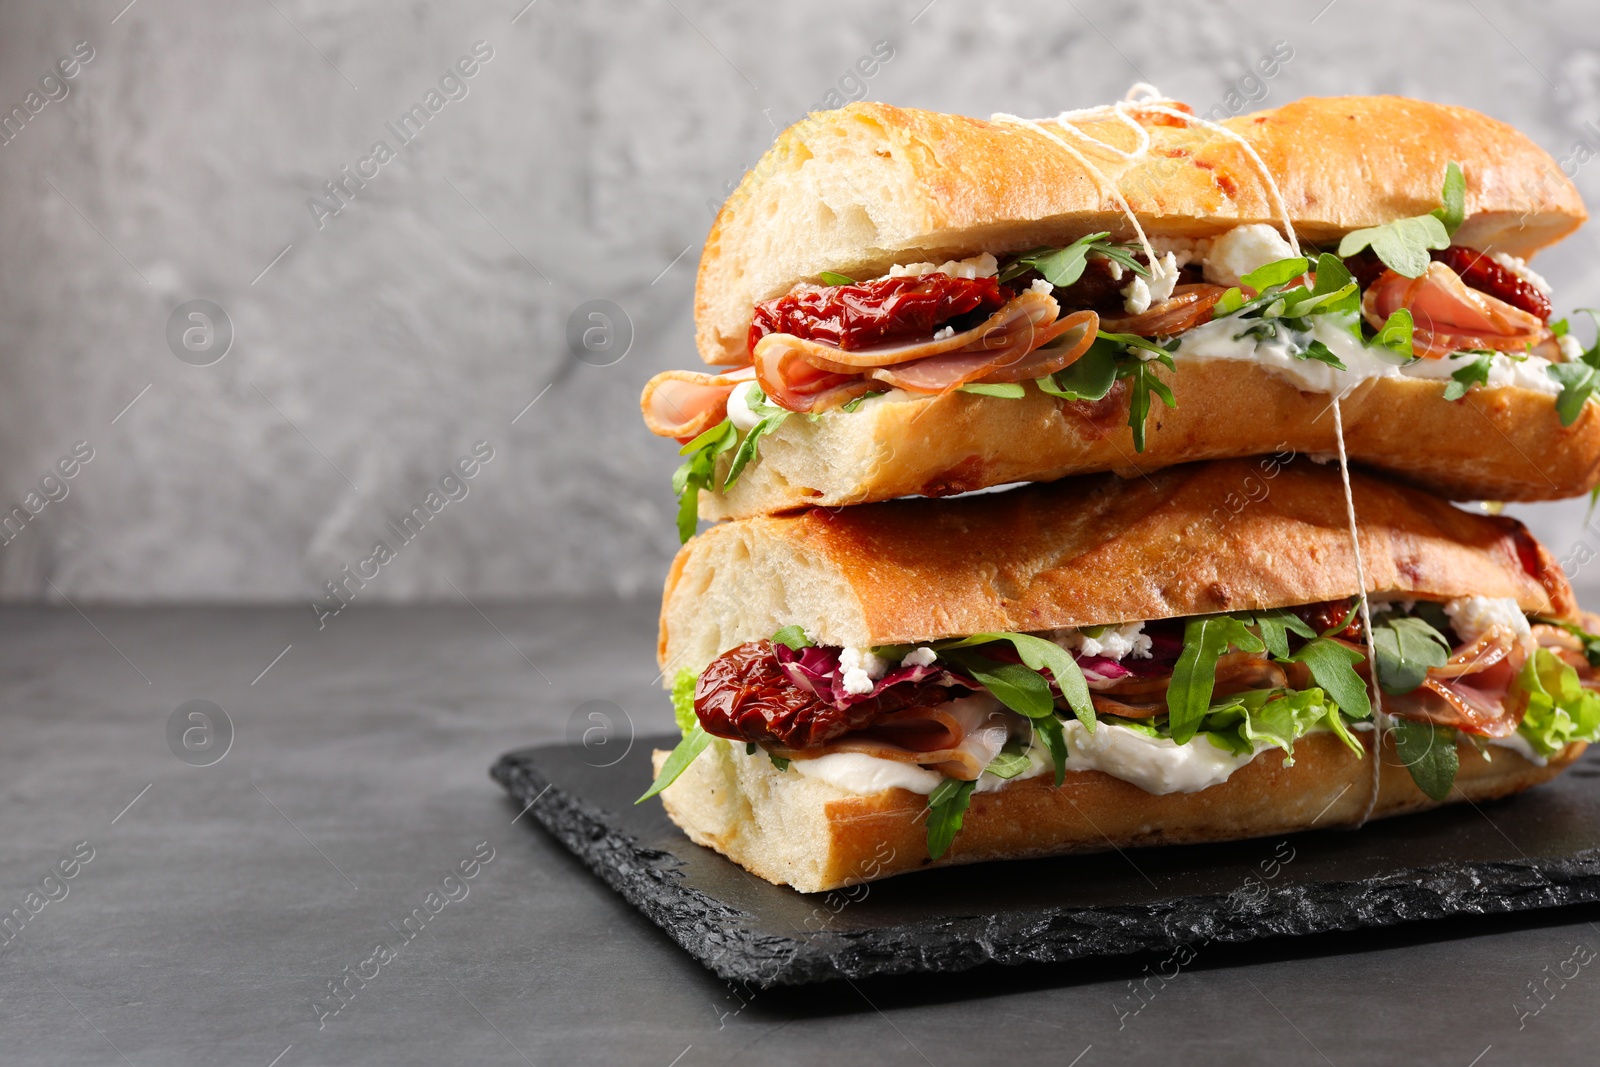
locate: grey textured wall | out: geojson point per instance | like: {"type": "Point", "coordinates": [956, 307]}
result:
{"type": "Point", "coordinates": [371, 351]}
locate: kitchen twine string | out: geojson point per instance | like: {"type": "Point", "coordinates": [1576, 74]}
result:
{"type": "Point", "coordinates": [1144, 97]}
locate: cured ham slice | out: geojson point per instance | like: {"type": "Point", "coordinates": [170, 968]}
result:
{"type": "Point", "coordinates": [1470, 692]}
{"type": "Point", "coordinates": [1188, 306]}
{"type": "Point", "coordinates": [1450, 316]}
{"type": "Point", "coordinates": [685, 403]}
{"type": "Point", "coordinates": [1022, 340]}
{"type": "Point", "coordinates": [958, 738]}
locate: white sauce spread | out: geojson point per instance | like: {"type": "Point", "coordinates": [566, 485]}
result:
{"type": "Point", "coordinates": [1217, 340]}
{"type": "Point", "coordinates": [1154, 764]}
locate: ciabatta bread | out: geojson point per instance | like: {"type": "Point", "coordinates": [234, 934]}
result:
{"type": "Point", "coordinates": [814, 836]}
{"type": "Point", "coordinates": [1225, 536]}
{"type": "Point", "coordinates": [1504, 443]}
{"type": "Point", "coordinates": [869, 185]}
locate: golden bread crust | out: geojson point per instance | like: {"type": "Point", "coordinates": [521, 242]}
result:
{"type": "Point", "coordinates": [813, 836]}
{"type": "Point", "coordinates": [858, 189]}
{"type": "Point", "coordinates": [1505, 443]}
{"type": "Point", "coordinates": [1087, 551]}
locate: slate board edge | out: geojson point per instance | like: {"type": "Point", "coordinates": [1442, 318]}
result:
{"type": "Point", "coordinates": [718, 937]}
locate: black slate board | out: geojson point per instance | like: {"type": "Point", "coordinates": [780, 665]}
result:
{"type": "Point", "coordinates": [1537, 850]}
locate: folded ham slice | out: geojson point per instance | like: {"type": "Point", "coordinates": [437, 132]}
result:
{"type": "Point", "coordinates": [958, 738]}
{"type": "Point", "coordinates": [1188, 306]}
{"type": "Point", "coordinates": [685, 403]}
{"type": "Point", "coordinates": [1450, 316]}
{"type": "Point", "coordinates": [1022, 340]}
{"type": "Point", "coordinates": [1470, 692]}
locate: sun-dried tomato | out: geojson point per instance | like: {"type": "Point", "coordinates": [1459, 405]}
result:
{"type": "Point", "coordinates": [853, 316]}
{"type": "Point", "coordinates": [1475, 268]}
{"type": "Point", "coordinates": [746, 695]}
{"type": "Point", "coordinates": [1330, 613]}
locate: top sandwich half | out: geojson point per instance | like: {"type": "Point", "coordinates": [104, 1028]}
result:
{"type": "Point", "coordinates": [963, 303]}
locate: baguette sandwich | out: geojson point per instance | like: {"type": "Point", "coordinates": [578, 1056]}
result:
{"type": "Point", "coordinates": [900, 302]}
{"type": "Point", "coordinates": [1100, 663]}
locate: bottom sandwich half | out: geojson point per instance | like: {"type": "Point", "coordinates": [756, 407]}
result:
{"type": "Point", "coordinates": [1097, 663]}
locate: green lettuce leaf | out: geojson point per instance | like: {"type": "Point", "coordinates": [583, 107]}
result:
{"type": "Point", "coordinates": [1004, 390]}
{"type": "Point", "coordinates": [1559, 710]}
{"type": "Point", "coordinates": [1090, 377]}
{"type": "Point", "coordinates": [683, 699]}
{"type": "Point", "coordinates": [792, 637]}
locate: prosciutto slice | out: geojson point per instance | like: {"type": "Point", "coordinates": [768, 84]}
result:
{"type": "Point", "coordinates": [1022, 340]}
{"type": "Point", "coordinates": [685, 403]}
{"type": "Point", "coordinates": [1450, 316]}
{"type": "Point", "coordinates": [1470, 691]}
{"type": "Point", "coordinates": [957, 738]}
{"type": "Point", "coordinates": [1188, 306]}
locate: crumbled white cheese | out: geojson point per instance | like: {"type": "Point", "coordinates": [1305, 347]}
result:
{"type": "Point", "coordinates": [1571, 347]}
{"type": "Point", "coordinates": [1039, 285]}
{"type": "Point", "coordinates": [1243, 249]}
{"type": "Point", "coordinates": [1136, 297]}
{"type": "Point", "coordinates": [1139, 294]}
{"type": "Point", "coordinates": [1185, 250]}
{"type": "Point", "coordinates": [1114, 268]}
{"type": "Point", "coordinates": [922, 656]}
{"type": "Point", "coordinates": [944, 331]}
{"type": "Point", "coordinates": [1472, 616]}
{"type": "Point", "coordinates": [1114, 642]}
{"type": "Point", "coordinates": [982, 265]}
{"type": "Point", "coordinates": [739, 412]}
{"type": "Point", "coordinates": [1520, 268]}
{"type": "Point", "coordinates": [861, 669]}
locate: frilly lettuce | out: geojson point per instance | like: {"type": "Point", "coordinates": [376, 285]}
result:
{"type": "Point", "coordinates": [1559, 709]}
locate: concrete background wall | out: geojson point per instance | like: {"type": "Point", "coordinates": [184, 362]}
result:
{"type": "Point", "coordinates": [372, 350]}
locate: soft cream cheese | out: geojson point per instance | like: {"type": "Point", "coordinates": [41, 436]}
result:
{"type": "Point", "coordinates": [739, 413]}
{"type": "Point", "coordinates": [1519, 744]}
{"type": "Point", "coordinates": [1217, 340]}
{"type": "Point", "coordinates": [1154, 764]}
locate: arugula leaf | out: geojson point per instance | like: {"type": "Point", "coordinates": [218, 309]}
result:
{"type": "Point", "coordinates": [1578, 383]}
{"type": "Point", "coordinates": [1144, 382]}
{"type": "Point", "coordinates": [1230, 302]}
{"type": "Point", "coordinates": [694, 742]}
{"type": "Point", "coordinates": [1205, 639]}
{"type": "Point", "coordinates": [1344, 624]}
{"type": "Point", "coordinates": [1454, 196]}
{"type": "Point", "coordinates": [1012, 761]}
{"type": "Point", "coordinates": [1090, 377]}
{"type": "Point", "coordinates": [1429, 753]}
{"type": "Point", "coordinates": [696, 472]}
{"type": "Point", "coordinates": [1062, 267]}
{"type": "Point", "coordinates": [830, 277]}
{"type": "Point", "coordinates": [1055, 742]}
{"type": "Point", "coordinates": [947, 804]}
{"type": "Point", "coordinates": [683, 699]}
{"type": "Point", "coordinates": [851, 405]}
{"type": "Point", "coordinates": [1322, 353]}
{"type": "Point", "coordinates": [748, 447]}
{"type": "Point", "coordinates": [1474, 372]}
{"type": "Point", "coordinates": [1402, 245]}
{"type": "Point", "coordinates": [1022, 690]}
{"type": "Point", "coordinates": [793, 638]}
{"type": "Point", "coordinates": [1280, 272]}
{"type": "Point", "coordinates": [1397, 335]}
{"type": "Point", "coordinates": [778, 761]}
{"type": "Point", "coordinates": [1275, 626]}
{"type": "Point", "coordinates": [1005, 390]}
{"type": "Point", "coordinates": [1333, 668]}
{"type": "Point", "coordinates": [1036, 654]}
{"type": "Point", "coordinates": [1560, 327]}
{"type": "Point", "coordinates": [1335, 280]}
{"type": "Point", "coordinates": [1406, 647]}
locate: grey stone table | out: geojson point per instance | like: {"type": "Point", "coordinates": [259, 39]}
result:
{"type": "Point", "coordinates": [220, 901]}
